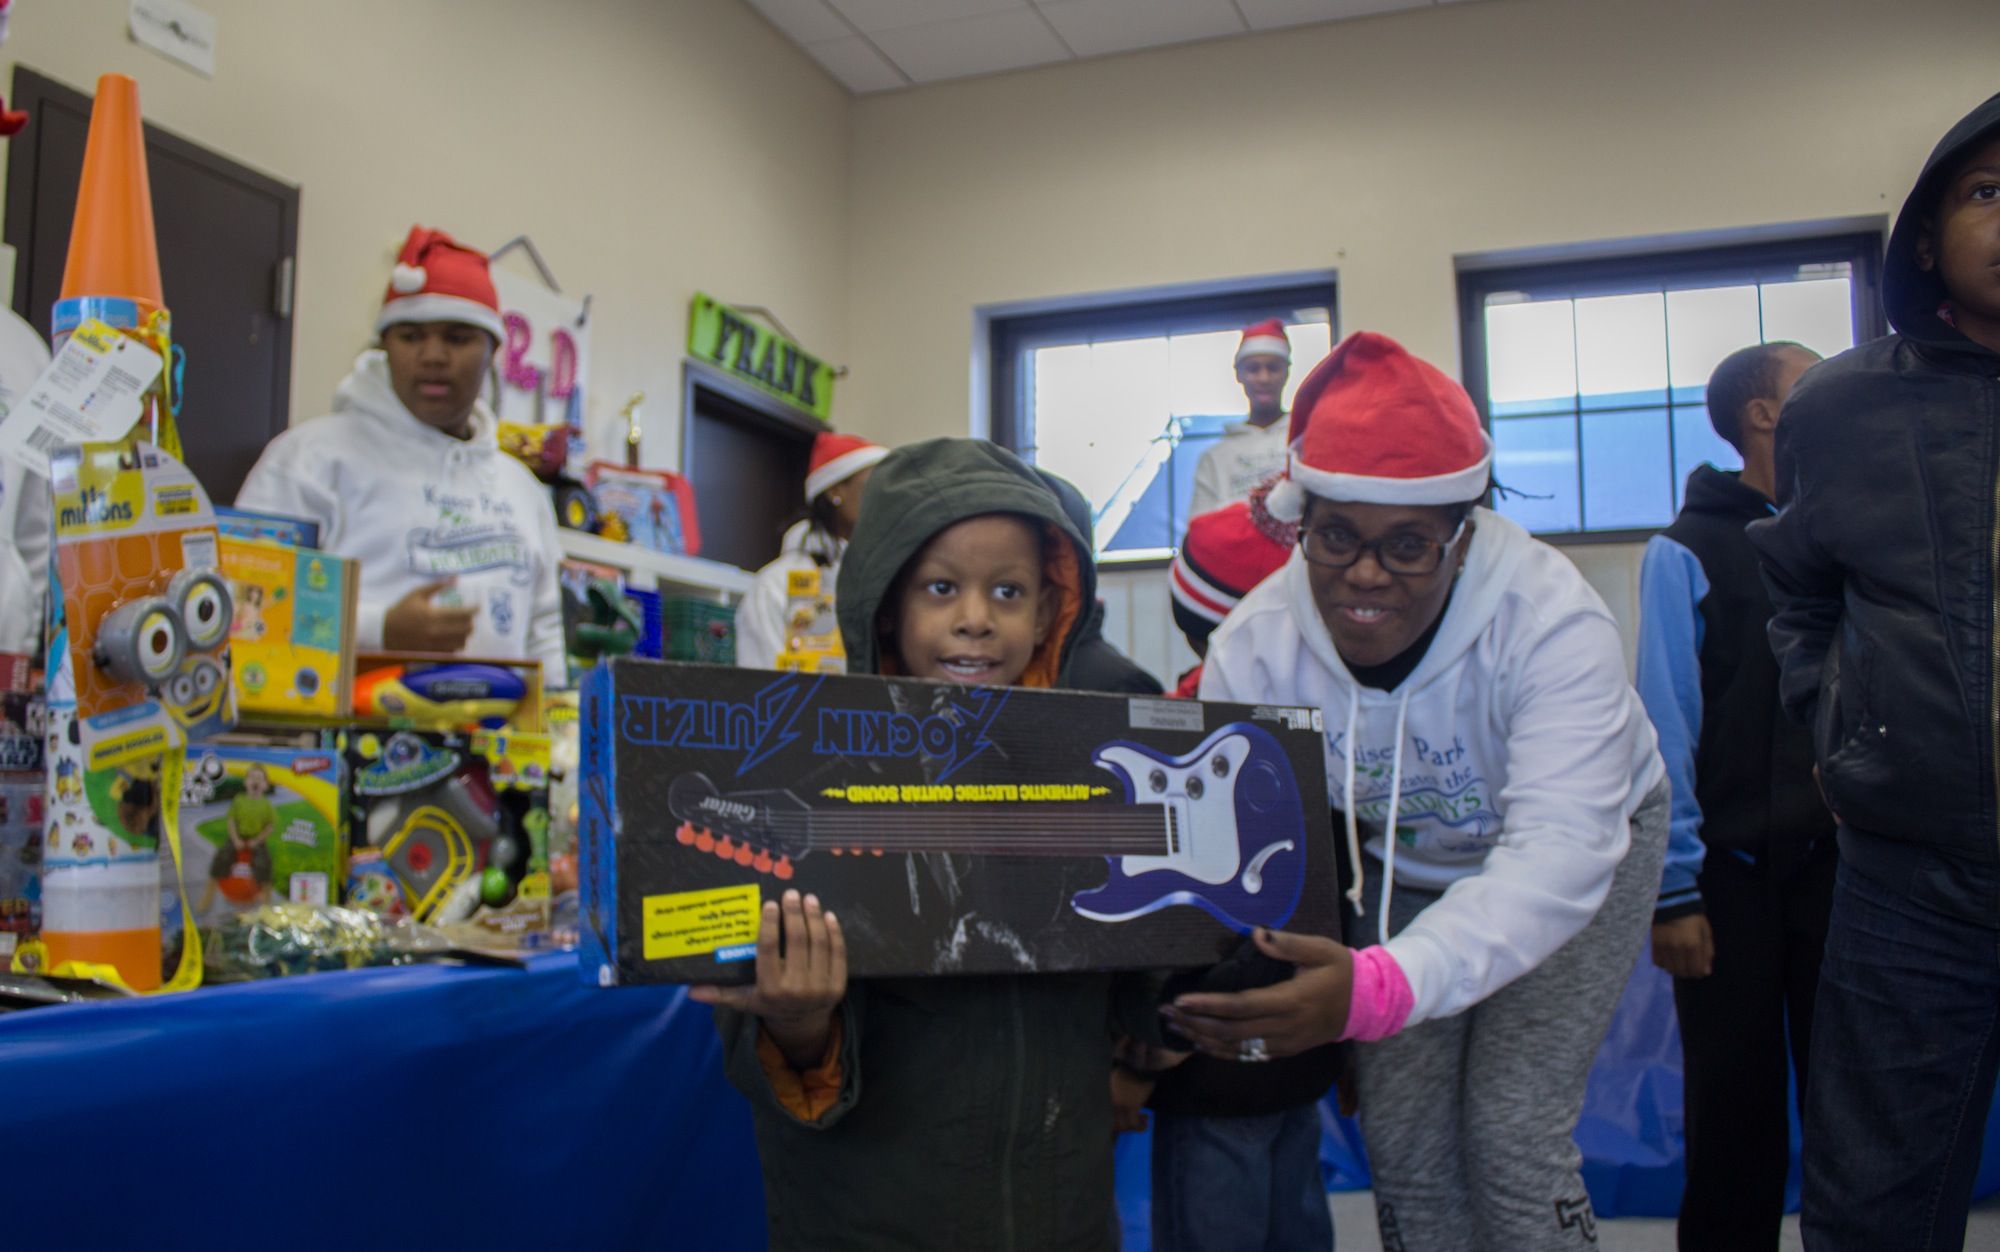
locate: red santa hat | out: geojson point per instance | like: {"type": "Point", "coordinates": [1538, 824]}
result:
{"type": "Point", "coordinates": [1374, 425]}
{"type": "Point", "coordinates": [1224, 554]}
{"type": "Point", "coordinates": [438, 279]}
{"type": "Point", "coordinates": [1265, 338]}
{"type": "Point", "coordinates": [837, 458]}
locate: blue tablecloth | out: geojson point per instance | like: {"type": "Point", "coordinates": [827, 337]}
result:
{"type": "Point", "coordinates": [422, 1107]}
{"type": "Point", "coordinates": [476, 1107]}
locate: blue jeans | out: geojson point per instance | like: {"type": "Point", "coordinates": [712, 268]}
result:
{"type": "Point", "coordinates": [1904, 1050]}
{"type": "Point", "coordinates": [1239, 1184]}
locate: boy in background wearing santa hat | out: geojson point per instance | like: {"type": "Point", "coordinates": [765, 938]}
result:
{"type": "Point", "coordinates": [836, 475]}
{"type": "Point", "coordinates": [1249, 451]}
{"type": "Point", "coordinates": [456, 540]}
{"type": "Point", "coordinates": [1478, 713]}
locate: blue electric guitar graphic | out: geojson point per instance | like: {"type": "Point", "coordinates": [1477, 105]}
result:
{"type": "Point", "coordinates": [1220, 828]}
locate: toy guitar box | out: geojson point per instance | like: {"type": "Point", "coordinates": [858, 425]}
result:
{"type": "Point", "coordinates": [953, 830]}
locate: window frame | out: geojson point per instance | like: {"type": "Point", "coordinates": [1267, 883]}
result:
{"type": "Point", "coordinates": [1634, 272]}
{"type": "Point", "coordinates": [1013, 336]}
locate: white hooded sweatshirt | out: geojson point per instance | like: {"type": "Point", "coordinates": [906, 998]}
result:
{"type": "Point", "coordinates": [26, 539]}
{"type": "Point", "coordinates": [416, 506]}
{"type": "Point", "coordinates": [1509, 763]}
{"type": "Point", "coordinates": [1245, 456]}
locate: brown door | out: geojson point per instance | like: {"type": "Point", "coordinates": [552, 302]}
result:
{"type": "Point", "coordinates": [227, 237]}
{"type": "Point", "coordinates": [747, 459]}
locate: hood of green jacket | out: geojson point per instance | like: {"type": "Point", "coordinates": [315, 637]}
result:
{"type": "Point", "coordinates": [924, 488]}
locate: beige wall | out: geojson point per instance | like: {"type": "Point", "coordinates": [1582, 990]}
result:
{"type": "Point", "coordinates": [1381, 149]}
{"type": "Point", "coordinates": [692, 147]}
{"type": "Point", "coordinates": [650, 148]}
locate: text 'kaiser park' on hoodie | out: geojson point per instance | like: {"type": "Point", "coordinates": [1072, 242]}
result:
{"type": "Point", "coordinates": [1508, 764]}
{"type": "Point", "coordinates": [416, 506]}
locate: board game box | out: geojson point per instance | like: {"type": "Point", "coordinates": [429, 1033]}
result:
{"type": "Point", "coordinates": [953, 829]}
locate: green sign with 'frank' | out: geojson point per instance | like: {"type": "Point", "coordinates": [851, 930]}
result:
{"type": "Point", "coordinates": [760, 356]}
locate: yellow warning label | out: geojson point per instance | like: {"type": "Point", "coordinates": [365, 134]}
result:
{"type": "Point", "coordinates": [690, 923]}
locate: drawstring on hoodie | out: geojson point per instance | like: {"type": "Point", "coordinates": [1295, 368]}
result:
{"type": "Point", "coordinates": [1356, 892]}
{"type": "Point", "coordinates": [1395, 811]}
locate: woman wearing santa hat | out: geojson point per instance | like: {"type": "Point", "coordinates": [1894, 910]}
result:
{"type": "Point", "coordinates": [1504, 805]}
{"type": "Point", "coordinates": [772, 621]}
{"type": "Point", "coordinates": [456, 540]}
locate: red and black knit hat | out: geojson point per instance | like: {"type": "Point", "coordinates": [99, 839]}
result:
{"type": "Point", "coordinates": [1373, 424]}
{"type": "Point", "coordinates": [1225, 553]}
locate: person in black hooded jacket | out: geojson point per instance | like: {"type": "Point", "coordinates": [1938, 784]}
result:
{"type": "Point", "coordinates": [1741, 919]}
{"type": "Point", "coordinates": [1884, 569]}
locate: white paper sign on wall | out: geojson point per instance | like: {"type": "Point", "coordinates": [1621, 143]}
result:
{"type": "Point", "coordinates": [177, 30]}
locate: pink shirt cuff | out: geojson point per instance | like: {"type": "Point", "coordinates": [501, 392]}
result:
{"type": "Point", "coordinates": [1382, 997]}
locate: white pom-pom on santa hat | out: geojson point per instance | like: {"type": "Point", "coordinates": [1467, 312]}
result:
{"type": "Point", "coordinates": [408, 278]}
{"type": "Point", "coordinates": [1286, 501]}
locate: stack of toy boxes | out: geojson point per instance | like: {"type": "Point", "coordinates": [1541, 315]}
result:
{"type": "Point", "coordinates": [21, 807]}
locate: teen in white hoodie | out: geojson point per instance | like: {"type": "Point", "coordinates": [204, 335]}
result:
{"type": "Point", "coordinates": [456, 539]}
{"type": "Point", "coordinates": [1249, 451]}
{"type": "Point", "coordinates": [1477, 707]}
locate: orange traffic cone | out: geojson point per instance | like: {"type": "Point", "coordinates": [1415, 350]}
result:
{"type": "Point", "coordinates": [113, 270]}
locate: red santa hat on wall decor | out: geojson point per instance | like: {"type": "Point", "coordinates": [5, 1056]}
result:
{"type": "Point", "coordinates": [438, 279]}
{"type": "Point", "coordinates": [837, 458]}
{"type": "Point", "coordinates": [1374, 425]}
{"type": "Point", "coordinates": [1265, 338]}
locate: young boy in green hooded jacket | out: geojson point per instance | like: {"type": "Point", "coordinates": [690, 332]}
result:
{"type": "Point", "coordinates": [946, 1112]}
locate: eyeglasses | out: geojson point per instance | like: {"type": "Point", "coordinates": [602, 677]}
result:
{"type": "Point", "coordinates": [1337, 547]}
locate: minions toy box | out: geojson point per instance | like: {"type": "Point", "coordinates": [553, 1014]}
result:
{"type": "Point", "coordinates": [146, 608]}
{"type": "Point", "coordinates": [952, 829]}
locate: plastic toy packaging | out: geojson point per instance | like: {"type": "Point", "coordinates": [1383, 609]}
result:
{"type": "Point", "coordinates": [281, 939]}
{"type": "Point", "coordinates": [442, 824]}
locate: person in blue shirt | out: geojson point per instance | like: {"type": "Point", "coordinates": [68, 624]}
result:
{"type": "Point", "coordinates": [1748, 883]}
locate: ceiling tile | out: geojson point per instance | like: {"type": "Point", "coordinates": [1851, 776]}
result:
{"type": "Point", "coordinates": [972, 45]}
{"type": "Point", "coordinates": [806, 21]}
{"type": "Point", "coordinates": [875, 15]}
{"type": "Point", "coordinates": [1272, 14]}
{"type": "Point", "coordinates": [1098, 27]}
{"type": "Point", "coordinates": [857, 65]}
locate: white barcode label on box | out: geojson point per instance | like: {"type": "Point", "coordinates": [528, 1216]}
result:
{"type": "Point", "coordinates": [93, 392]}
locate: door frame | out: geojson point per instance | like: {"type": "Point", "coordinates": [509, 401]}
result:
{"type": "Point", "coordinates": [31, 91]}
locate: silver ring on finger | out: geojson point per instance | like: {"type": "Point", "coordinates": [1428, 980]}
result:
{"type": "Point", "coordinates": [1253, 1049]}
